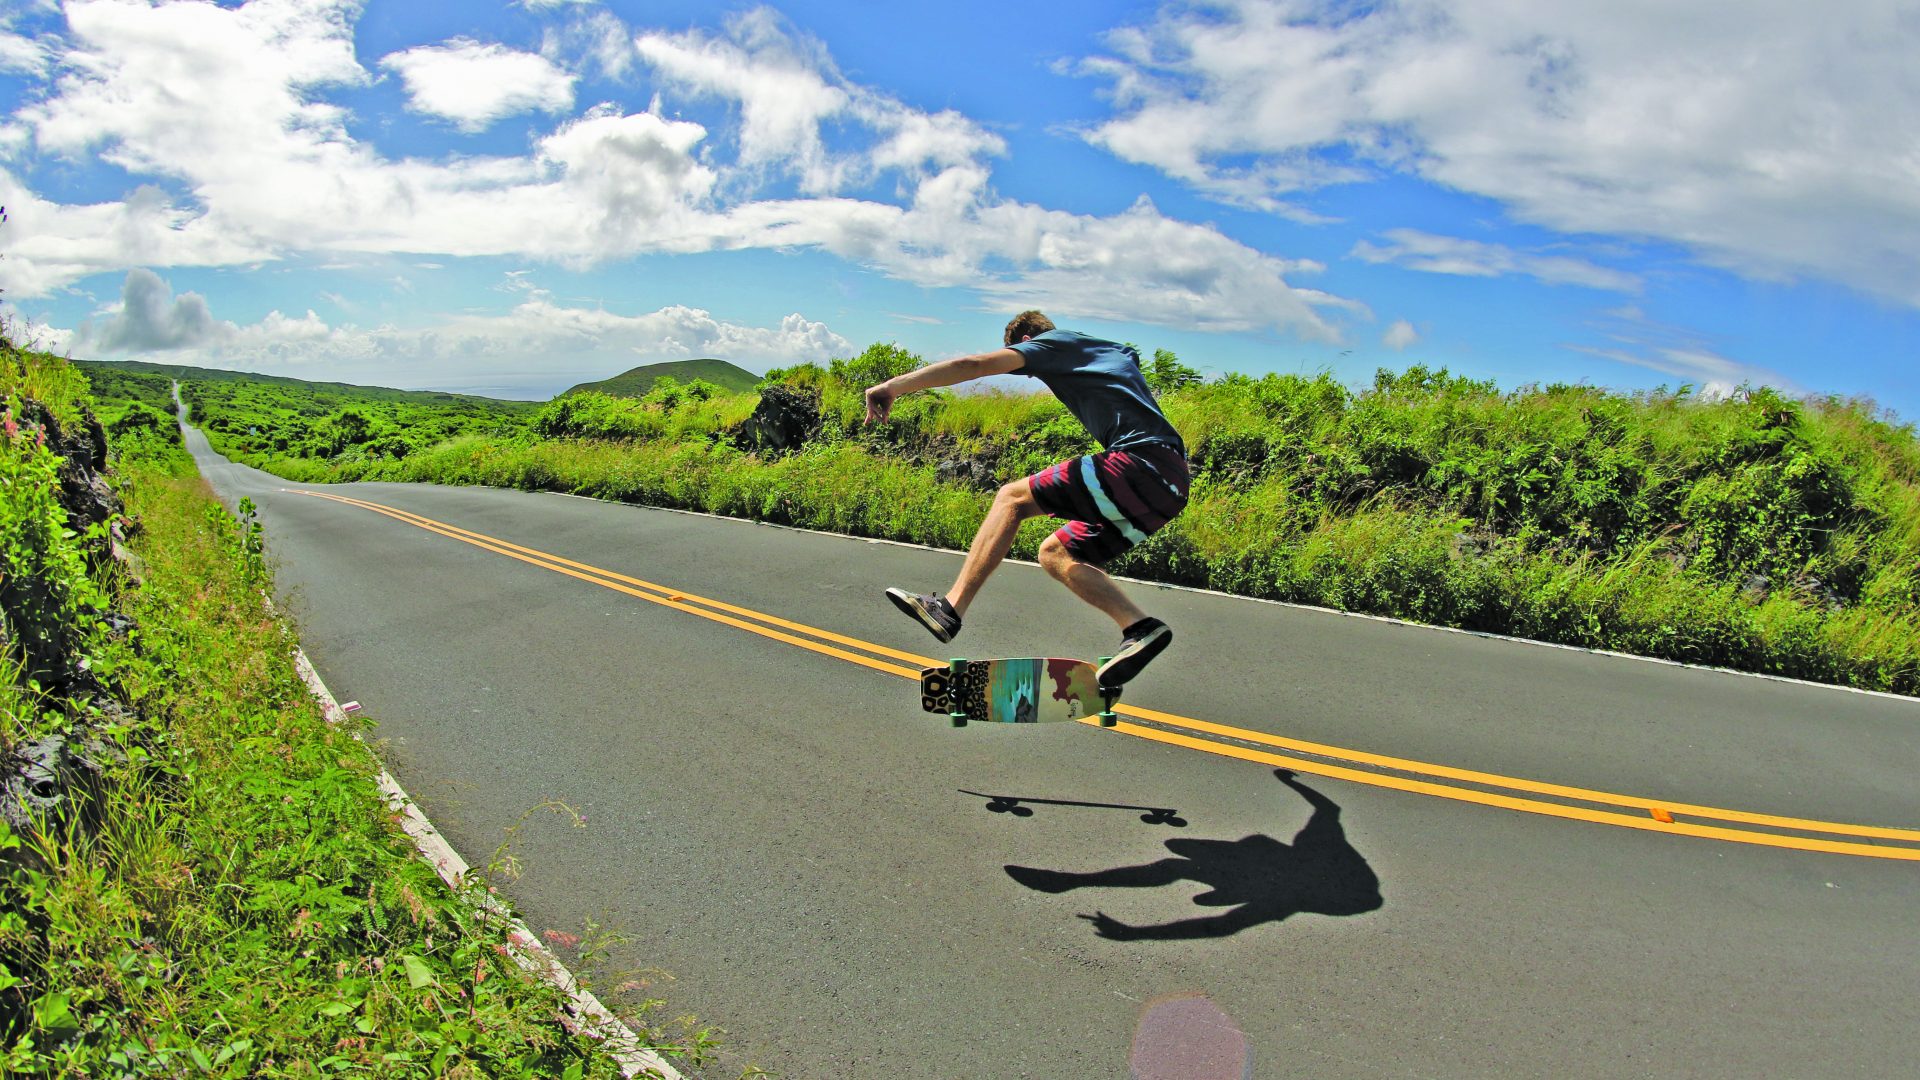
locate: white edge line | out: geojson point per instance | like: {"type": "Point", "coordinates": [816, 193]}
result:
{"type": "Point", "coordinates": [527, 950]}
{"type": "Point", "coordinates": [1388, 619]}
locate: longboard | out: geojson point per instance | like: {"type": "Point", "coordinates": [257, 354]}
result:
{"type": "Point", "coordinates": [1020, 690]}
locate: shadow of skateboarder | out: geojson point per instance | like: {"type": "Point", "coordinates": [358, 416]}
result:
{"type": "Point", "coordinates": [1260, 878]}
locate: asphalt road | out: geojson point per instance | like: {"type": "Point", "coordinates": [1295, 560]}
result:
{"type": "Point", "coordinates": [796, 852]}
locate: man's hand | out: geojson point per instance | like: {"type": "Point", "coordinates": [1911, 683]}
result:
{"type": "Point", "coordinates": [879, 403]}
{"type": "Point", "coordinates": [880, 397]}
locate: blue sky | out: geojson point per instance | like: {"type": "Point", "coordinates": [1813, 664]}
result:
{"type": "Point", "coordinates": [511, 198]}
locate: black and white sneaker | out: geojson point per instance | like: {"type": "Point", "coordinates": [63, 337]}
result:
{"type": "Point", "coordinates": [1144, 640]}
{"type": "Point", "coordinates": [933, 612]}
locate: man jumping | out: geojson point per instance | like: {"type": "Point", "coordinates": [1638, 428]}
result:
{"type": "Point", "coordinates": [1111, 501]}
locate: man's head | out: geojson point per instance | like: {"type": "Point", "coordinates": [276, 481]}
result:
{"type": "Point", "coordinates": [1027, 324]}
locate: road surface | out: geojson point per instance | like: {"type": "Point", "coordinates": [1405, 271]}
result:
{"type": "Point", "coordinates": [1358, 848]}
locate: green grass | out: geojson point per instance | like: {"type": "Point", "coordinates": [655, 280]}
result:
{"type": "Point", "coordinates": [1754, 531]}
{"type": "Point", "coordinates": [233, 898]}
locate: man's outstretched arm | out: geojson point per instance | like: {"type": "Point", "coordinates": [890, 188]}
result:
{"type": "Point", "coordinates": [880, 397]}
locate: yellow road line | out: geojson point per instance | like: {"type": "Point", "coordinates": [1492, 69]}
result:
{"type": "Point", "coordinates": [1659, 813]}
{"type": "Point", "coordinates": [1519, 784]}
{"type": "Point", "coordinates": [1530, 806]}
{"type": "Point", "coordinates": [558, 566]}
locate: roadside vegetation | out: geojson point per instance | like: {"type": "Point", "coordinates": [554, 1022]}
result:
{"type": "Point", "coordinates": [1751, 531]}
{"type": "Point", "coordinates": [198, 876]}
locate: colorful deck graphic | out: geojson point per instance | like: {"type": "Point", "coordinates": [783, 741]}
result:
{"type": "Point", "coordinates": [1027, 690]}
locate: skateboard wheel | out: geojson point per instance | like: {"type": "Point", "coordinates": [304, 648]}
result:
{"type": "Point", "coordinates": [959, 719]}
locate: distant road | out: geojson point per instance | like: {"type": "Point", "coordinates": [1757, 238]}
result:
{"type": "Point", "coordinates": [1466, 873]}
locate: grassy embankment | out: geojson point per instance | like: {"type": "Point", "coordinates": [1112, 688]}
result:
{"type": "Point", "coordinates": [214, 886]}
{"type": "Point", "coordinates": [1754, 532]}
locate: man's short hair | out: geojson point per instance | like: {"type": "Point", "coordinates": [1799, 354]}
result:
{"type": "Point", "coordinates": [1027, 324]}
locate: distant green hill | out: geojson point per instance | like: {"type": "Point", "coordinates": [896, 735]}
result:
{"type": "Point", "coordinates": [105, 370]}
{"type": "Point", "coordinates": [639, 381]}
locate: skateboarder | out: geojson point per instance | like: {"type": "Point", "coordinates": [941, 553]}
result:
{"type": "Point", "coordinates": [1111, 501]}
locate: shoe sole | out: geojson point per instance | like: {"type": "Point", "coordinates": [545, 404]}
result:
{"type": "Point", "coordinates": [1123, 668]}
{"type": "Point", "coordinates": [904, 603]}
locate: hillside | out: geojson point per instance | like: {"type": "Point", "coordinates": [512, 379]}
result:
{"type": "Point", "coordinates": [638, 381]}
{"type": "Point", "coordinates": [109, 372]}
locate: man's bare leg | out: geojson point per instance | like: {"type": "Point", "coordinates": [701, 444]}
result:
{"type": "Point", "coordinates": [1012, 504]}
{"type": "Point", "coordinates": [1089, 583]}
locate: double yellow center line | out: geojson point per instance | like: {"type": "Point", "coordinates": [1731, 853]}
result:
{"type": "Point", "coordinates": [1378, 770]}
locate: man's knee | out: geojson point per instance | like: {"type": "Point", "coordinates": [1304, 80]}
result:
{"type": "Point", "coordinates": [1054, 554]}
{"type": "Point", "coordinates": [1018, 497]}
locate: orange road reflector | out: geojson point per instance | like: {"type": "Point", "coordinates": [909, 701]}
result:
{"type": "Point", "coordinates": [1660, 815]}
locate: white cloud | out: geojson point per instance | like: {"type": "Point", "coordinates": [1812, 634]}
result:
{"type": "Point", "coordinates": [1473, 258]}
{"type": "Point", "coordinates": [36, 335]}
{"type": "Point", "coordinates": [1684, 354]}
{"type": "Point", "coordinates": [22, 54]}
{"type": "Point", "coordinates": [787, 88]}
{"type": "Point", "coordinates": [1771, 137]}
{"type": "Point", "coordinates": [784, 85]}
{"type": "Point", "coordinates": [536, 348]}
{"type": "Point", "coordinates": [49, 245]}
{"type": "Point", "coordinates": [151, 319]}
{"type": "Point", "coordinates": [1138, 265]}
{"type": "Point", "coordinates": [474, 84]}
{"type": "Point", "coordinates": [1711, 375]}
{"type": "Point", "coordinates": [254, 164]}
{"type": "Point", "coordinates": [237, 84]}
{"type": "Point", "coordinates": [598, 36]}
{"type": "Point", "coordinates": [1400, 335]}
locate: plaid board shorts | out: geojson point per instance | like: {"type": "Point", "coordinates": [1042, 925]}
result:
{"type": "Point", "coordinates": [1112, 500]}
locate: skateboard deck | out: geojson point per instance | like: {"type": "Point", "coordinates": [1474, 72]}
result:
{"type": "Point", "coordinates": [1022, 690]}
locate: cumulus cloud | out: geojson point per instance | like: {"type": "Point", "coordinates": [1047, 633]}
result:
{"type": "Point", "coordinates": [1433, 254]}
{"type": "Point", "coordinates": [474, 84]}
{"type": "Point", "coordinates": [253, 163]}
{"type": "Point", "coordinates": [237, 82]}
{"type": "Point", "coordinates": [1770, 137]}
{"type": "Point", "coordinates": [1400, 335]}
{"type": "Point", "coordinates": [151, 319]}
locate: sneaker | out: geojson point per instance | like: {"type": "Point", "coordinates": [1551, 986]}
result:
{"type": "Point", "coordinates": [1145, 640]}
{"type": "Point", "coordinates": [933, 612]}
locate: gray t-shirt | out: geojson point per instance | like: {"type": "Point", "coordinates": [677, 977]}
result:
{"type": "Point", "coordinates": [1101, 384]}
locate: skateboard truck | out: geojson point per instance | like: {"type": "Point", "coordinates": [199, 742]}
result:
{"type": "Point", "coordinates": [1107, 698]}
{"type": "Point", "coordinates": [959, 713]}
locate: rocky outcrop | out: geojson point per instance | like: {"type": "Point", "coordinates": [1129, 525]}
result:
{"type": "Point", "coordinates": [966, 472]}
{"type": "Point", "coordinates": [783, 421]}
{"type": "Point", "coordinates": [55, 777]}
{"type": "Point", "coordinates": [84, 492]}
